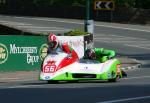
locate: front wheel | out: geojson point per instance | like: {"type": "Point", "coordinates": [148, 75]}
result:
{"type": "Point", "coordinates": [114, 79]}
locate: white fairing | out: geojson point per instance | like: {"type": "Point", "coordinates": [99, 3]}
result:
{"type": "Point", "coordinates": [81, 66]}
{"type": "Point", "coordinates": [57, 57]}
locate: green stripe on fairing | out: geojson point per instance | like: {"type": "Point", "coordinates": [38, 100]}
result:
{"type": "Point", "coordinates": [113, 67]}
{"type": "Point", "coordinates": [104, 76]}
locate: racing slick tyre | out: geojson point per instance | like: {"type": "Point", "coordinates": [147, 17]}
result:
{"type": "Point", "coordinates": [53, 81]}
{"type": "Point", "coordinates": [72, 81]}
{"type": "Point", "coordinates": [112, 80]}
{"type": "Point", "coordinates": [115, 79]}
{"type": "Point", "coordinates": [124, 74]}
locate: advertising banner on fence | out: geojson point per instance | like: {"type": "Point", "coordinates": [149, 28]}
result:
{"type": "Point", "coordinates": [21, 52]}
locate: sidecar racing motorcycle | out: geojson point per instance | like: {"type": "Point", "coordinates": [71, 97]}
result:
{"type": "Point", "coordinates": [59, 67]}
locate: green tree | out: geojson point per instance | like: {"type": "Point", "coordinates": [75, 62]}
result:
{"type": "Point", "coordinates": [126, 3]}
{"type": "Point", "coordinates": [143, 4]}
{"type": "Point", "coordinates": [60, 2]}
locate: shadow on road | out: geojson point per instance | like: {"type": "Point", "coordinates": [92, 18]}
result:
{"type": "Point", "coordinates": [74, 95]}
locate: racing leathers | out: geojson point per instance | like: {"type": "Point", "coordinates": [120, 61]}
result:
{"type": "Point", "coordinates": [65, 48]}
{"type": "Point", "coordinates": [101, 54]}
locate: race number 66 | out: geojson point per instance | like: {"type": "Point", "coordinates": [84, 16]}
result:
{"type": "Point", "coordinates": [49, 68]}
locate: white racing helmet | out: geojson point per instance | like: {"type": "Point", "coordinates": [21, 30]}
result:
{"type": "Point", "coordinates": [52, 41]}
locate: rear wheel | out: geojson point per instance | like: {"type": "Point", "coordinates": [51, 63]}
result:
{"type": "Point", "coordinates": [53, 81]}
{"type": "Point", "coordinates": [72, 81]}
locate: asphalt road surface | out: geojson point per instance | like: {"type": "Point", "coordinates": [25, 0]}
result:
{"type": "Point", "coordinates": [127, 40]}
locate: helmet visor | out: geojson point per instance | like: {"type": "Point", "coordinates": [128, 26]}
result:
{"type": "Point", "coordinates": [52, 44]}
{"type": "Point", "coordinates": [90, 54]}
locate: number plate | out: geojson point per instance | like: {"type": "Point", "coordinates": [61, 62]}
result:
{"type": "Point", "coordinates": [49, 68]}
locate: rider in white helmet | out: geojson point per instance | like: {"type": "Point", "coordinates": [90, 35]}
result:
{"type": "Point", "coordinates": [55, 46]}
{"type": "Point", "coordinates": [52, 42]}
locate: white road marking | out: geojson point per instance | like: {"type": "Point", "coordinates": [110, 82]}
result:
{"type": "Point", "coordinates": [48, 30]}
{"type": "Point", "coordinates": [127, 41]}
{"type": "Point", "coordinates": [127, 99]}
{"type": "Point", "coordinates": [117, 36]}
{"type": "Point", "coordinates": [136, 46]}
{"type": "Point", "coordinates": [102, 41]}
{"type": "Point", "coordinates": [11, 23]}
{"type": "Point", "coordinates": [37, 27]}
{"type": "Point", "coordinates": [24, 86]}
{"type": "Point", "coordinates": [15, 79]}
{"type": "Point", "coordinates": [115, 27]}
{"type": "Point", "coordinates": [9, 78]}
{"type": "Point", "coordinates": [34, 28]}
{"type": "Point", "coordinates": [124, 41]}
{"type": "Point", "coordinates": [65, 21]}
{"type": "Point", "coordinates": [137, 77]}
{"type": "Point", "coordinates": [15, 23]}
{"type": "Point", "coordinates": [142, 43]}
{"type": "Point", "coordinates": [102, 38]}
